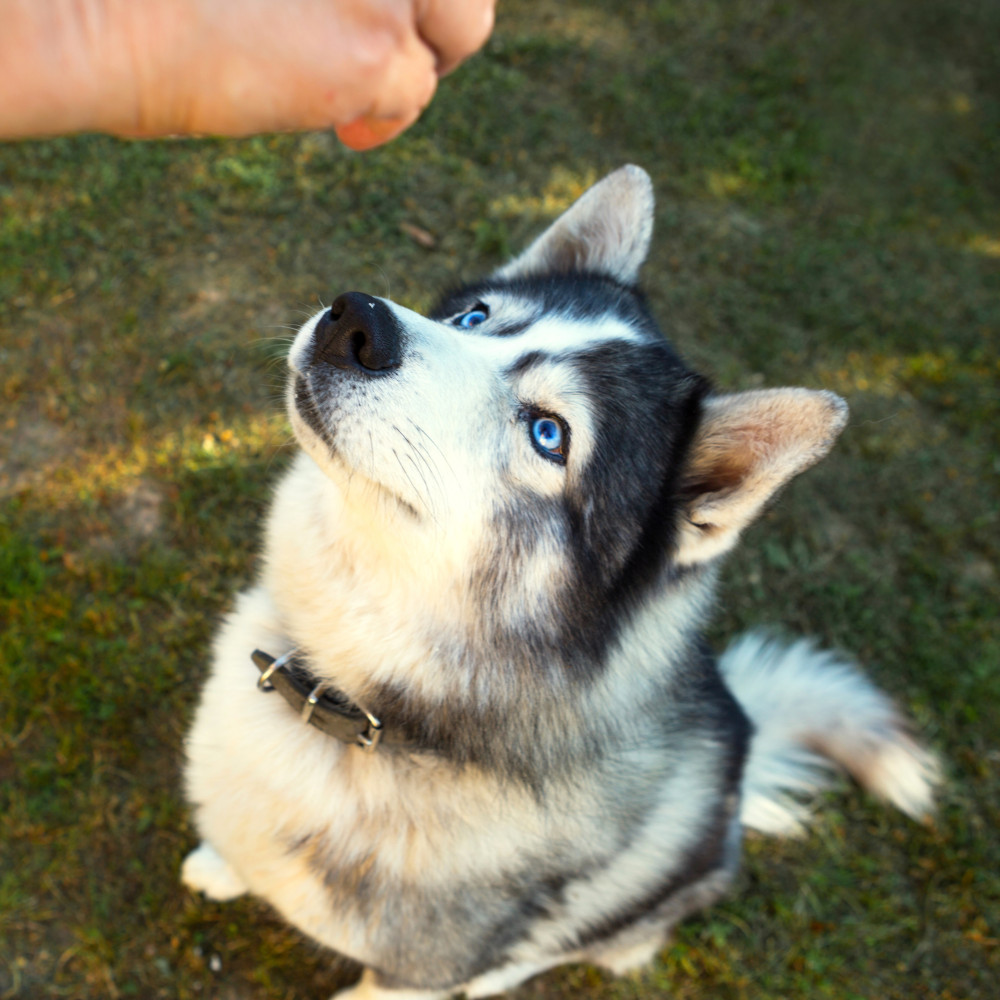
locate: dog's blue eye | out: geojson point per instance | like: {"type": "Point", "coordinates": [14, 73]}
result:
{"type": "Point", "coordinates": [472, 318]}
{"type": "Point", "coordinates": [549, 438]}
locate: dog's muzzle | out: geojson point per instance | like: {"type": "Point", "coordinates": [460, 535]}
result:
{"type": "Point", "coordinates": [358, 334]}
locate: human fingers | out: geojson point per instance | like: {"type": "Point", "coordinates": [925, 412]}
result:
{"type": "Point", "coordinates": [369, 75]}
{"type": "Point", "coordinates": [454, 29]}
{"type": "Point", "coordinates": [404, 88]}
{"type": "Point", "coordinates": [402, 84]}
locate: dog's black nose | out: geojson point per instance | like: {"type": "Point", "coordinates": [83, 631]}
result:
{"type": "Point", "coordinates": [358, 333]}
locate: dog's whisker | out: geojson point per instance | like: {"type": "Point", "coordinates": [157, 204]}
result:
{"type": "Point", "coordinates": [281, 446]}
{"type": "Point", "coordinates": [416, 489]}
{"type": "Point", "coordinates": [417, 452]}
{"type": "Point", "coordinates": [420, 452]}
{"type": "Point", "coordinates": [385, 282]}
{"type": "Point", "coordinates": [418, 467]}
{"type": "Point", "coordinates": [431, 441]}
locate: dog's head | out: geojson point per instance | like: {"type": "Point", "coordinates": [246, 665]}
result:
{"type": "Point", "coordinates": [535, 442]}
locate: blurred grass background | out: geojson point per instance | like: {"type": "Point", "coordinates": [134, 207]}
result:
{"type": "Point", "coordinates": [828, 180]}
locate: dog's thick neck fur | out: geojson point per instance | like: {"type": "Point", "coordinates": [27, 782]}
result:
{"type": "Point", "coordinates": [501, 696]}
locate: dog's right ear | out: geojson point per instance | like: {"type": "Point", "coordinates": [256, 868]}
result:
{"type": "Point", "coordinates": [748, 446]}
{"type": "Point", "coordinates": [607, 230]}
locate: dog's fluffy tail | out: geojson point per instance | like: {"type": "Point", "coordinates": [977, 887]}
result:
{"type": "Point", "coordinates": [812, 713]}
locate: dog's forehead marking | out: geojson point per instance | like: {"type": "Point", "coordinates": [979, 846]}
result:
{"type": "Point", "coordinates": [557, 335]}
{"type": "Point", "coordinates": [508, 310]}
{"type": "Point", "coordinates": [546, 334]}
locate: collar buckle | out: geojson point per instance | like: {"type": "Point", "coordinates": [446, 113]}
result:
{"type": "Point", "coordinates": [310, 702]}
{"type": "Point", "coordinates": [369, 739]}
{"type": "Point", "coordinates": [264, 681]}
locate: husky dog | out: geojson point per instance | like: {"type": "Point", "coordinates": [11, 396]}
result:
{"type": "Point", "coordinates": [484, 735]}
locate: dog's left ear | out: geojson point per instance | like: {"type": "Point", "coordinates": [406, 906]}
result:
{"type": "Point", "coordinates": [607, 230]}
{"type": "Point", "coordinates": [747, 446]}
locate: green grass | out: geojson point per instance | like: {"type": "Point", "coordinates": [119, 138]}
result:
{"type": "Point", "coordinates": [828, 179]}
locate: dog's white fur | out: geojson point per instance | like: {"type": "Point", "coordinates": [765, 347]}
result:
{"type": "Point", "coordinates": [367, 562]}
{"type": "Point", "coordinates": [813, 712]}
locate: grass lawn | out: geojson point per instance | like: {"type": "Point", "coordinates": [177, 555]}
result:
{"type": "Point", "coordinates": [828, 181]}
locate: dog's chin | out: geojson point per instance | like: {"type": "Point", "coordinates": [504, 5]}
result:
{"type": "Point", "coordinates": [303, 412]}
{"type": "Point", "coordinates": [318, 442]}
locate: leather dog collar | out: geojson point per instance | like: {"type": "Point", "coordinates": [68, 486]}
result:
{"type": "Point", "coordinates": [318, 704]}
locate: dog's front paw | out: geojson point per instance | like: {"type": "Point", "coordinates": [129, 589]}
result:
{"type": "Point", "coordinates": [625, 959]}
{"type": "Point", "coordinates": [366, 988]}
{"type": "Point", "coordinates": [205, 871]}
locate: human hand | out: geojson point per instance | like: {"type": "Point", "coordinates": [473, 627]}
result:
{"type": "Point", "coordinates": [230, 67]}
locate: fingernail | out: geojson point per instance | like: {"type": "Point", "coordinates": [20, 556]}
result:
{"type": "Point", "coordinates": [367, 132]}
